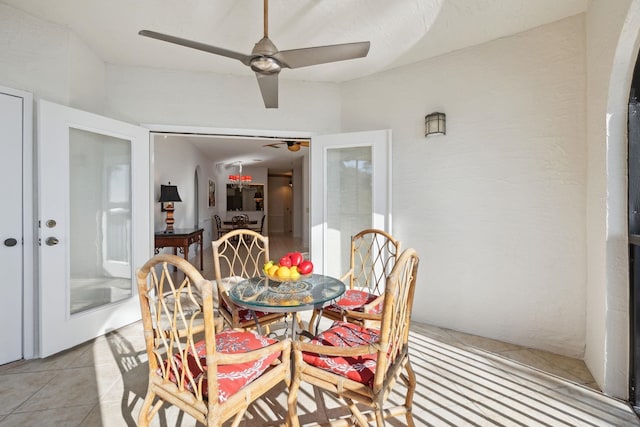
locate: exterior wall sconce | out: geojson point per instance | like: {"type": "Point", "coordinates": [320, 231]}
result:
{"type": "Point", "coordinates": [435, 123]}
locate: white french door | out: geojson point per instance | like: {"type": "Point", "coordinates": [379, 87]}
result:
{"type": "Point", "coordinates": [15, 126]}
{"type": "Point", "coordinates": [94, 223]}
{"type": "Point", "coordinates": [350, 191]}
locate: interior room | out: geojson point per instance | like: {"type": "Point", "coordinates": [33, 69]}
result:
{"type": "Point", "coordinates": [520, 207]}
{"type": "Point", "coordinates": [275, 190]}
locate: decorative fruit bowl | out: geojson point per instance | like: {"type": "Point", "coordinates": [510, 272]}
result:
{"type": "Point", "coordinates": [291, 279]}
{"type": "Point", "coordinates": [291, 268]}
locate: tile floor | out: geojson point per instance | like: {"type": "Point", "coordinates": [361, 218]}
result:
{"type": "Point", "coordinates": [463, 380]}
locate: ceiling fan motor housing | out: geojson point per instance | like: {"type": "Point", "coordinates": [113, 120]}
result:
{"type": "Point", "coordinates": [263, 60]}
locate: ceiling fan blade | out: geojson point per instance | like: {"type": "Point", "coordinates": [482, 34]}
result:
{"type": "Point", "coordinates": [304, 143]}
{"type": "Point", "coordinates": [304, 57]}
{"type": "Point", "coordinates": [269, 88]}
{"type": "Point", "coordinates": [245, 59]}
{"type": "Point", "coordinates": [274, 145]}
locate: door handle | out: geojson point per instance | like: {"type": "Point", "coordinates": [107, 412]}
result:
{"type": "Point", "coordinates": [52, 241]}
{"type": "Point", "coordinates": [10, 242]}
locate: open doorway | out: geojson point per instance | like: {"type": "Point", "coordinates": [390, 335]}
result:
{"type": "Point", "coordinates": [215, 157]}
{"type": "Point", "coordinates": [280, 194]}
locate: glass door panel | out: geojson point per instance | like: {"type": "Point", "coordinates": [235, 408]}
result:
{"type": "Point", "coordinates": [100, 213]}
{"type": "Point", "coordinates": [350, 191]}
{"type": "Point", "coordinates": [349, 202]}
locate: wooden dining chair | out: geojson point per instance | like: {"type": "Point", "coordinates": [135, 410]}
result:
{"type": "Point", "coordinates": [238, 255]}
{"type": "Point", "coordinates": [362, 365]}
{"type": "Point", "coordinates": [221, 230]}
{"type": "Point", "coordinates": [373, 255]}
{"type": "Point", "coordinates": [211, 376]}
{"type": "Point", "coordinates": [260, 229]}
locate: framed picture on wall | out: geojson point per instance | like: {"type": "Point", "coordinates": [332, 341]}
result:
{"type": "Point", "coordinates": [212, 193]}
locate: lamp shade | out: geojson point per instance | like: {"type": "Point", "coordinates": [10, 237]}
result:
{"type": "Point", "coordinates": [169, 193]}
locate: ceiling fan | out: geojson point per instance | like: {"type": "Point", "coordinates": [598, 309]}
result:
{"type": "Point", "coordinates": [291, 145]}
{"type": "Point", "coordinates": [267, 61]}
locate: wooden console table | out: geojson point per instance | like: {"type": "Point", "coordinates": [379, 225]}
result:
{"type": "Point", "coordinates": [181, 238]}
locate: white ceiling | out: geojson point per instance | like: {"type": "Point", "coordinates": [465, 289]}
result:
{"type": "Point", "coordinates": [226, 152]}
{"type": "Point", "coordinates": [401, 31]}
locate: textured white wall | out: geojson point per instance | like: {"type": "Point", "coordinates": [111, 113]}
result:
{"type": "Point", "coordinates": [147, 95]}
{"type": "Point", "coordinates": [496, 208]}
{"type": "Point", "coordinates": [49, 61]}
{"type": "Point", "coordinates": [33, 55]}
{"type": "Point", "coordinates": [178, 164]}
{"type": "Point", "coordinates": [612, 35]}
{"type": "Point", "coordinates": [87, 77]}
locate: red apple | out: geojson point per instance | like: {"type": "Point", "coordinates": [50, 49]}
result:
{"type": "Point", "coordinates": [305, 267]}
{"type": "Point", "coordinates": [285, 261]}
{"type": "Point", "coordinates": [296, 258]}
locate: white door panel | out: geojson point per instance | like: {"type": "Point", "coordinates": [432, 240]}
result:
{"type": "Point", "coordinates": [350, 188]}
{"type": "Point", "coordinates": [11, 240]}
{"type": "Point", "coordinates": [93, 175]}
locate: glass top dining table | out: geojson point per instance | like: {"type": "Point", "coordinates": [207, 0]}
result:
{"type": "Point", "coordinates": [264, 294]}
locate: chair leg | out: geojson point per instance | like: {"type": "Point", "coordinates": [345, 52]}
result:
{"type": "Point", "coordinates": [147, 412]}
{"type": "Point", "coordinates": [411, 386]}
{"type": "Point", "coordinates": [292, 402]}
{"type": "Point", "coordinates": [355, 412]}
{"type": "Point", "coordinates": [313, 331]}
{"type": "Point", "coordinates": [238, 418]}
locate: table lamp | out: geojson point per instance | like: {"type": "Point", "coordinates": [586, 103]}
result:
{"type": "Point", "coordinates": [169, 195]}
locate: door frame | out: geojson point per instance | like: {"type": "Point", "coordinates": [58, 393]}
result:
{"type": "Point", "coordinates": [28, 225]}
{"type": "Point", "coordinates": [234, 132]}
{"type": "Point", "coordinates": [380, 141]}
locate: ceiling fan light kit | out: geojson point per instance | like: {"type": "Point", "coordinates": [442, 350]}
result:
{"type": "Point", "coordinates": [291, 145]}
{"type": "Point", "coordinates": [265, 65]}
{"type": "Point", "coordinates": [267, 61]}
{"type": "Point", "coordinates": [294, 147]}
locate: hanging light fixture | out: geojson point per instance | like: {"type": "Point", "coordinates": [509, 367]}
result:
{"type": "Point", "coordinates": [239, 181]}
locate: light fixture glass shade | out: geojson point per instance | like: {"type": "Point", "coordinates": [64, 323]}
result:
{"type": "Point", "coordinates": [265, 64]}
{"type": "Point", "coordinates": [435, 123]}
{"type": "Point", "coordinates": [240, 181]}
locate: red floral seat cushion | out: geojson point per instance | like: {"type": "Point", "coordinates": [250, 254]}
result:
{"type": "Point", "coordinates": [354, 299]}
{"type": "Point", "coordinates": [231, 378]}
{"type": "Point", "coordinates": [343, 334]}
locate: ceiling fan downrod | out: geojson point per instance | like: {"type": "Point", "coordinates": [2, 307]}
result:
{"type": "Point", "coordinates": [265, 18]}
